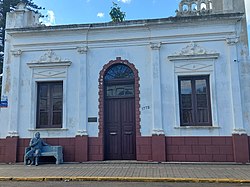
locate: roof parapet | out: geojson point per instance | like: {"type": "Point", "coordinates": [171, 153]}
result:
{"type": "Point", "coordinates": [204, 7]}
{"type": "Point", "coordinates": [22, 17]}
{"type": "Point", "coordinates": [194, 7]}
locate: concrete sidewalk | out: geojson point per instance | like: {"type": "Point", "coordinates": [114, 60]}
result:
{"type": "Point", "coordinates": [128, 171]}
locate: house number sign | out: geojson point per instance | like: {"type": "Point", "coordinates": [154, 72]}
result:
{"type": "Point", "coordinates": [145, 108]}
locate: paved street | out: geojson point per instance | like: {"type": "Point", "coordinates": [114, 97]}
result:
{"type": "Point", "coordinates": [114, 184]}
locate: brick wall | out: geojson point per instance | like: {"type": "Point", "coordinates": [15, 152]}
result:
{"type": "Point", "coordinates": [189, 149]}
{"type": "Point", "coordinates": [177, 149]}
{"type": "Point", "coordinates": [144, 148]}
{"type": "Point", "coordinates": [95, 149]}
{"type": "Point", "coordinates": [2, 150]}
{"type": "Point", "coordinates": [22, 143]}
{"type": "Point", "coordinates": [199, 149]}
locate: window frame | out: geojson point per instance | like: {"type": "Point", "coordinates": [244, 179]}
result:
{"type": "Point", "coordinates": [50, 98]}
{"type": "Point", "coordinates": [195, 122]}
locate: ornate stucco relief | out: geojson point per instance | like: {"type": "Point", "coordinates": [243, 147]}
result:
{"type": "Point", "coordinates": [155, 46]}
{"type": "Point", "coordinates": [193, 51]}
{"type": "Point", "coordinates": [232, 40]}
{"type": "Point", "coordinates": [16, 53]}
{"type": "Point", "coordinates": [49, 59]}
{"type": "Point", "coordinates": [194, 67]}
{"type": "Point", "coordinates": [49, 65]}
{"type": "Point", "coordinates": [82, 50]}
{"type": "Point", "coordinates": [50, 56]}
{"type": "Point", "coordinates": [49, 73]}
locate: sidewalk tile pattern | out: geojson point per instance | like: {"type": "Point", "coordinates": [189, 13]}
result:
{"type": "Point", "coordinates": [205, 171]}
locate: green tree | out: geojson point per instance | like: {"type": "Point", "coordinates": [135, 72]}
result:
{"type": "Point", "coordinates": [7, 6]}
{"type": "Point", "coordinates": [116, 14]}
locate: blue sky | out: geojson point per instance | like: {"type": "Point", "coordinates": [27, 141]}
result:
{"type": "Point", "coordinates": [94, 11]}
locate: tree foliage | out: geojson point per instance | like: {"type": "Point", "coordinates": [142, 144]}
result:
{"type": "Point", "coordinates": [7, 6]}
{"type": "Point", "coordinates": [116, 14]}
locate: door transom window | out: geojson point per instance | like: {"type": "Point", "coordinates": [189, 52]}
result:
{"type": "Point", "coordinates": [119, 71]}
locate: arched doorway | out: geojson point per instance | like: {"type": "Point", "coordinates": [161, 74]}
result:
{"type": "Point", "coordinates": [119, 113]}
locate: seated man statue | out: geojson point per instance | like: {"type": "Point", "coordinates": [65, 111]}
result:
{"type": "Point", "coordinates": [34, 149]}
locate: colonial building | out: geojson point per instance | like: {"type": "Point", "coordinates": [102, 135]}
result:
{"type": "Point", "coordinates": [170, 89]}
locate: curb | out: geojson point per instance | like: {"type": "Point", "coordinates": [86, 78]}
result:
{"type": "Point", "coordinates": [123, 179]}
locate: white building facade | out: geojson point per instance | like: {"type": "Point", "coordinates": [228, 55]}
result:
{"type": "Point", "coordinates": [171, 89]}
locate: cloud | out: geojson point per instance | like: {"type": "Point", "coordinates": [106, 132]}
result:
{"type": "Point", "coordinates": [50, 19]}
{"type": "Point", "coordinates": [100, 15]}
{"type": "Point", "coordinates": [125, 1]}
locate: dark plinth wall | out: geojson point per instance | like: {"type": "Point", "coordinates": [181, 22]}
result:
{"type": "Point", "coordinates": [233, 148]}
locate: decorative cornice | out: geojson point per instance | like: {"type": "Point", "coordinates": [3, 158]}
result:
{"type": "Point", "coordinates": [49, 65]}
{"type": "Point", "coordinates": [16, 53]}
{"type": "Point", "coordinates": [239, 131]}
{"type": "Point", "coordinates": [13, 134]}
{"type": "Point", "coordinates": [158, 132]}
{"type": "Point", "coordinates": [82, 133]}
{"type": "Point", "coordinates": [82, 50]}
{"type": "Point", "coordinates": [155, 46]}
{"type": "Point", "coordinates": [232, 41]}
{"type": "Point", "coordinates": [193, 51]}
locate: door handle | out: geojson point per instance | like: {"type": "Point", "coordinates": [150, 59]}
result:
{"type": "Point", "coordinates": [128, 133]}
{"type": "Point", "coordinates": [113, 133]}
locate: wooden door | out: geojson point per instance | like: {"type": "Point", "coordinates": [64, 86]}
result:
{"type": "Point", "coordinates": [120, 129]}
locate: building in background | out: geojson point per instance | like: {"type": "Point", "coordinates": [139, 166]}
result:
{"type": "Point", "coordinates": [170, 89]}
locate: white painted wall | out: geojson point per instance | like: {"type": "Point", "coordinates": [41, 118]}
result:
{"type": "Point", "coordinates": [132, 42]}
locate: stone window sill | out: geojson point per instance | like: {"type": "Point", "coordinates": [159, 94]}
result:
{"type": "Point", "coordinates": [197, 127]}
{"type": "Point", "coordinates": [49, 129]}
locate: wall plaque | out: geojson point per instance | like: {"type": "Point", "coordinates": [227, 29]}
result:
{"type": "Point", "coordinates": [92, 119]}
